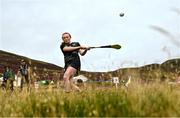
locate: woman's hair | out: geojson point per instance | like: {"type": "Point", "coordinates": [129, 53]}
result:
{"type": "Point", "coordinates": [66, 33]}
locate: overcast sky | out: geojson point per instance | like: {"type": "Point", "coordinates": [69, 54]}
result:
{"type": "Point", "coordinates": [149, 32]}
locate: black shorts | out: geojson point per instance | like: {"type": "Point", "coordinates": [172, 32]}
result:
{"type": "Point", "coordinates": [74, 64]}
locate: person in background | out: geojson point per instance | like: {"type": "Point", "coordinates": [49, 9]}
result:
{"type": "Point", "coordinates": [8, 78]}
{"type": "Point", "coordinates": [24, 71]}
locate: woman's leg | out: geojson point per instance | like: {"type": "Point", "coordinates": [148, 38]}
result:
{"type": "Point", "coordinates": [70, 71]}
{"type": "Point", "coordinates": [74, 86]}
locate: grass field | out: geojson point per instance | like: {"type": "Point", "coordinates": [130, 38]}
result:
{"type": "Point", "coordinates": [155, 99]}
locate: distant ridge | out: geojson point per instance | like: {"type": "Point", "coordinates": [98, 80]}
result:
{"type": "Point", "coordinates": [143, 72]}
{"type": "Point", "coordinates": [13, 60]}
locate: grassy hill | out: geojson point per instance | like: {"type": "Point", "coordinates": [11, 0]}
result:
{"type": "Point", "coordinates": [41, 68]}
{"type": "Point", "coordinates": [170, 69]}
{"type": "Point", "coordinates": [46, 70]}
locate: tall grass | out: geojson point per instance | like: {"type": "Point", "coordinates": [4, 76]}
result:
{"type": "Point", "coordinates": [155, 99]}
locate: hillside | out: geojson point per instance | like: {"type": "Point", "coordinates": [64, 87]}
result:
{"type": "Point", "coordinates": [46, 70]}
{"type": "Point", "coordinates": [41, 68]}
{"type": "Point", "coordinates": [167, 70]}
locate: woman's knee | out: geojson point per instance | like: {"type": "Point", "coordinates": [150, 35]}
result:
{"type": "Point", "coordinates": [66, 77]}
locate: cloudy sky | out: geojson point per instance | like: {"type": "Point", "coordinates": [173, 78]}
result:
{"type": "Point", "coordinates": [149, 32]}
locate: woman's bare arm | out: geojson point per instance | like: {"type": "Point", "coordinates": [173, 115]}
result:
{"type": "Point", "coordinates": [69, 49]}
{"type": "Point", "coordinates": [83, 51]}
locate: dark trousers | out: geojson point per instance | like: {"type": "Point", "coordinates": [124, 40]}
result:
{"type": "Point", "coordinates": [26, 79]}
